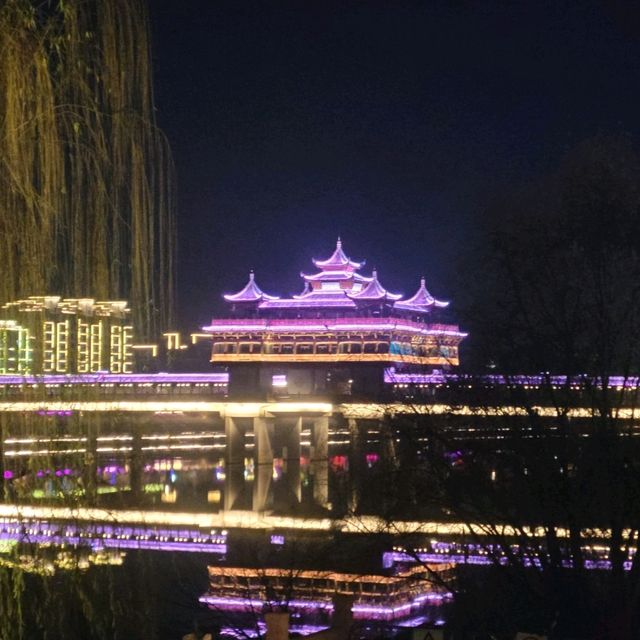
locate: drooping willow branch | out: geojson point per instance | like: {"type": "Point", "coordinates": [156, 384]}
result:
{"type": "Point", "coordinates": [86, 179]}
{"type": "Point", "coordinates": [86, 210]}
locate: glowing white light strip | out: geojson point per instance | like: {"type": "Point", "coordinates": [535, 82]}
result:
{"type": "Point", "coordinates": [40, 452]}
{"type": "Point", "coordinates": [167, 447]}
{"type": "Point", "coordinates": [236, 409]}
{"type": "Point", "coordinates": [256, 409]}
{"type": "Point", "coordinates": [36, 440]}
{"type": "Point", "coordinates": [255, 520]}
{"type": "Point", "coordinates": [183, 436]}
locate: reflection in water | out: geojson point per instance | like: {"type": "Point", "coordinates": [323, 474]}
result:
{"type": "Point", "coordinates": [316, 571]}
{"type": "Point", "coordinates": [185, 462]}
{"type": "Point", "coordinates": [46, 560]}
{"type": "Point", "coordinates": [405, 598]}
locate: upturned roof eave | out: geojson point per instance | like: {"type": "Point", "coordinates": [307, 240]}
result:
{"type": "Point", "coordinates": [251, 292]}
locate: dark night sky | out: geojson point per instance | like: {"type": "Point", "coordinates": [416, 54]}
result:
{"type": "Point", "coordinates": [390, 123]}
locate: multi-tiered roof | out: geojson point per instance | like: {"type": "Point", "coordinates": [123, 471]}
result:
{"type": "Point", "coordinates": [342, 318]}
{"type": "Point", "coordinates": [338, 285]}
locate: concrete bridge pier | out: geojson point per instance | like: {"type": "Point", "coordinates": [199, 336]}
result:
{"type": "Point", "coordinates": [357, 439]}
{"type": "Point", "coordinates": [276, 438]}
{"type": "Point", "coordinates": [235, 435]}
{"type": "Point", "coordinates": [287, 446]}
{"type": "Point", "coordinates": [319, 463]}
{"type": "Point", "coordinates": [263, 430]}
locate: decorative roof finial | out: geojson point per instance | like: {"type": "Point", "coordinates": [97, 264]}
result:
{"type": "Point", "coordinates": [251, 292]}
{"type": "Point", "coordinates": [338, 261]}
{"type": "Point", "coordinates": [421, 301]}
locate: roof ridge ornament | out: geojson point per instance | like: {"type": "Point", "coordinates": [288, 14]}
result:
{"type": "Point", "coordinates": [374, 291]}
{"type": "Point", "coordinates": [251, 292]}
{"type": "Point", "coordinates": [339, 284]}
{"type": "Point", "coordinates": [338, 260]}
{"type": "Point", "coordinates": [421, 300]}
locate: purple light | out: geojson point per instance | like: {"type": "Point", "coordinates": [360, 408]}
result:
{"type": "Point", "coordinates": [372, 458]}
{"type": "Point", "coordinates": [364, 611]}
{"type": "Point", "coordinates": [49, 412]}
{"type": "Point", "coordinates": [8, 475]}
{"type": "Point", "coordinates": [310, 301]}
{"type": "Point", "coordinates": [246, 604]}
{"type": "Point", "coordinates": [114, 543]}
{"type": "Point", "coordinates": [153, 545]}
{"type": "Point", "coordinates": [117, 469]}
{"type": "Point", "coordinates": [243, 634]}
{"type": "Point", "coordinates": [360, 611]}
{"type": "Point", "coordinates": [438, 378]}
{"type": "Point", "coordinates": [390, 558]}
{"type": "Point", "coordinates": [107, 536]}
{"type": "Point", "coordinates": [251, 292]}
{"type": "Point", "coordinates": [333, 324]}
{"type": "Point", "coordinates": [279, 380]}
{"type": "Point", "coordinates": [116, 378]}
{"type": "Point", "coordinates": [338, 259]}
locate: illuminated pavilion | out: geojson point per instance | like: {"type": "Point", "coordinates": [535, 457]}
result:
{"type": "Point", "coordinates": [338, 336]}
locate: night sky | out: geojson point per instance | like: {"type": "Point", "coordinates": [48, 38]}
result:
{"type": "Point", "coordinates": [391, 124]}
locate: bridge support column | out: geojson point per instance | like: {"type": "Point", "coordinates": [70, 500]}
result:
{"type": "Point", "coordinates": [320, 460]}
{"type": "Point", "coordinates": [263, 430]}
{"type": "Point", "coordinates": [235, 431]}
{"type": "Point", "coordinates": [289, 433]}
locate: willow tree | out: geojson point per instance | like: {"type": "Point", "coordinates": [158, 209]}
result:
{"type": "Point", "coordinates": [86, 204]}
{"type": "Point", "coordinates": [86, 193]}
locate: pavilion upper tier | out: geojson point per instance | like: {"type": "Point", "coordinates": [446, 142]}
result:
{"type": "Point", "coordinates": [336, 289]}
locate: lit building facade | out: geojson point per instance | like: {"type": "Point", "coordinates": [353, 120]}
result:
{"type": "Point", "coordinates": [338, 335]}
{"type": "Point", "coordinates": [49, 334]}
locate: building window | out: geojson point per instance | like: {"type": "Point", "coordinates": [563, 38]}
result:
{"type": "Point", "coordinates": [249, 347]}
{"type": "Point", "coordinates": [279, 381]}
{"type": "Point", "coordinates": [304, 348]}
{"type": "Point", "coordinates": [224, 347]}
{"type": "Point", "coordinates": [350, 347]}
{"type": "Point", "coordinates": [323, 348]}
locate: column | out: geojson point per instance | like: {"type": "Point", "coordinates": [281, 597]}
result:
{"type": "Point", "coordinates": [320, 460]}
{"type": "Point", "coordinates": [357, 440]}
{"type": "Point", "coordinates": [263, 430]}
{"type": "Point", "coordinates": [235, 429]}
{"type": "Point", "coordinates": [291, 455]}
